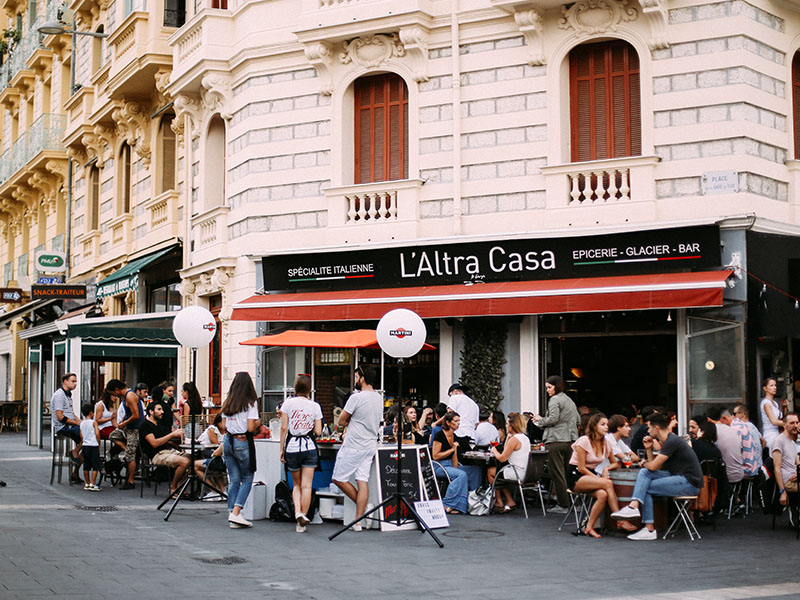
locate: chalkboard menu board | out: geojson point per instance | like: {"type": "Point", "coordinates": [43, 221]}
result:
{"type": "Point", "coordinates": [417, 480]}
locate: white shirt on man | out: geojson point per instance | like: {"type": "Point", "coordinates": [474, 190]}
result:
{"type": "Point", "coordinates": [366, 411]}
{"type": "Point", "coordinates": [485, 433]}
{"type": "Point", "coordinates": [469, 412]}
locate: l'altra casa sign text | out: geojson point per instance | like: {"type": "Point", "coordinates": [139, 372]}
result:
{"type": "Point", "coordinates": [494, 261]}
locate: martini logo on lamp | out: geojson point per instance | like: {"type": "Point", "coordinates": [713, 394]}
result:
{"type": "Point", "coordinates": [401, 333]}
{"type": "Point", "coordinates": [194, 327]}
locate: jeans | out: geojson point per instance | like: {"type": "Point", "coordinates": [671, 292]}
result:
{"type": "Point", "coordinates": [659, 483]}
{"type": "Point", "coordinates": [456, 496]}
{"type": "Point", "coordinates": [474, 476]}
{"type": "Point", "coordinates": [240, 478]}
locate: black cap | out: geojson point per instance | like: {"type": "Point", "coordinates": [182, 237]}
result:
{"type": "Point", "coordinates": [454, 387]}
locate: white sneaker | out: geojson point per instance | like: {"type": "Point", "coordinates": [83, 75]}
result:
{"type": "Point", "coordinates": [211, 497]}
{"type": "Point", "coordinates": [301, 519]}
{"type": "Point", "coordinates": [626, 512]}
{"type": "Point", "coordinates": [356, 527]}
{"type": "Point", "coordinates": [644, 534]}
{"type": "Point", "coordinates": [558, 510]}
{"type": "Point", "coordinates": [239, 520]}
{"type": "Point", "coordinates": [300, 528]}
{"type": "Point", "coordinates": [235, 525]}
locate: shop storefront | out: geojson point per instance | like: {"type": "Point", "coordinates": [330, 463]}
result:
{"type": "Point", "coordinates": [591, 308]}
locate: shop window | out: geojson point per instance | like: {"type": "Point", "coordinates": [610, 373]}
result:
{"type": "Point", "coordinates": [214, 167]}
{"type": "Point", "coordinates": [97, 51]}
{"type": "Point", "coordinates": [125, 181]}
{"type": "Point", "coordinates": [168, 147]}
{"type": "Point", "coordinates": [174, 13]}
{"type": "Point", "coordinates": [215, 353]}
{"type": "Point", "coordinates": [93, 205]}
{"type": "Point", "coordinates": [796, 103]}
{"type": "Point", "coordinates": [165, 298]}
{"type": "Point", "coordinates": [381, 128]}
{"type": "Point", "coordinates": [605, 108]}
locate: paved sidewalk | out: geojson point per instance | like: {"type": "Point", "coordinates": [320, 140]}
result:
{"type": "Point", "coordinates": [52, 543]}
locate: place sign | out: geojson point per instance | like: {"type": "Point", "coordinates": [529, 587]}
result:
{"type": "Point", "coordinates": [58, 291]}
{"type": "Point", "coordinates": [10, 294]}
{"type": "Point", "coordinates": [51, 262]}
{"type": "Point", "coordinates": [655, 251]}
{"type": "Point", "coordinates": [48, 280]}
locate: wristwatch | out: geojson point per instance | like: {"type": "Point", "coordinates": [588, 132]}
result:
{"type": "Point", "coordinates": [782, 490]}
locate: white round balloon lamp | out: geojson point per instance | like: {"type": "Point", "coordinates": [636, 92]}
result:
{"type": "Point", "coordinates": [194, 326]}
{"type": "Point", "coordinates": [401, 333]}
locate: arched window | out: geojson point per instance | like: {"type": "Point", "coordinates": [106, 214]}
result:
{"type": "Point", "coordinates": [125, 181]}
{"type": "Point", "coordinates": [97, 51]}
{"type": "Point", "coordinates": [796, 102]}
{"type": "Point", "coordinates": [93, 205]}
{"type": "Point", "coordinates": [214, 168]}
{"type": "Point", "coordinates": [168, 148]}
{"type": "Point", "coordinates": [381, 128]}
{"type": "Point", "coordinates": [605, 108]}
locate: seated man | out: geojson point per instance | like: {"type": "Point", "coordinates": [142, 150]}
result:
{"type": "Point", "coordinates": [785, 458]}
{"type": "Point", "coordinates": [65, 423]}
{"type": "Point", "coordinates": [485, 432]}
{"type": "Point", "coordinates": [157, 448]}
{"type": "Point", "coordinates": [674, 472]}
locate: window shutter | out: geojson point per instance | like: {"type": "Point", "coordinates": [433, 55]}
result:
{"type": "Point", "coordinates": [94, 202]}
{"type": "Point", "coordinates": [168, 152]}
{"type": "Point", "coordinates": [605, 108]}
{"type": "Point", "coordinates": [796, 103]}
{"type": "Point", "coordinates": [381, 128]}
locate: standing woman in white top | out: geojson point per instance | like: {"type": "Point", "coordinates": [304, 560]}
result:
{"type": "Point", "coordinates": [104, 417]}
{"type": "Point", "coordinates": [301, 422]}
{"type": "Point", "coordinates": [240, 412]}
{"type": "Point", "coordinates": [516, 451]}
{"type": "Point", "coordinates": [771, 411]}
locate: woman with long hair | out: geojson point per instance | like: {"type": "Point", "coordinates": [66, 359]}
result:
{"type": "Point", "coordinates": [104, 415]}
{"type": "Point", "coordinates": [516, 451]}
{"type": "Point", "coordinates": [240, 411]}
{"type": "Point", "coordinates": [301, 422]}
{"type": "Point", "coordinates": [445, 453]}
{"type": "Point", "coordinates": [192, 405]}
{"type": "Point", "coordinates": [589, 451]}
{"type": "Point", "coordinates": [771, 411]}
{"type": "Point", "coordinates": [498, 419]}
{"type": "Point", "coordinates": [413, 426]}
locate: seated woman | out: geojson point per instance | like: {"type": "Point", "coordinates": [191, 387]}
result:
{"type": "Point", "coordinates": [412, 428]}
{"type": "Point", "coordinates": [498, 419]}
{"type": "Point", "coordinates": [105, 416]}
{"type": "Point", "coordinates": [515, 454]}
{"type": "Point", "coordinates": [212, 436]}
{"type": "Point", "coordinates": [587, 453]}
{"type": "Point", "coordinates": [445, 453]}
{"type": "Point", "coordinates": [212, 457]}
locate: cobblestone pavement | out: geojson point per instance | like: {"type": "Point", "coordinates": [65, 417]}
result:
{"type": "Point", "coordinates": [59, 541]}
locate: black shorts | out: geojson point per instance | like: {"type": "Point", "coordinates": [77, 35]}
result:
{"type": "Point", "coordinates": [91, 458]}
{"type": "Point", "coordinates": [572, 476]}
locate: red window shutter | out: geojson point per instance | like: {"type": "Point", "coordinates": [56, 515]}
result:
{"type": "Point", "coordinates": [796, 103]}
{"type": "Point", "coordinates": [381, 128]}
{"type": "Point", "coordinates": [605, 108]}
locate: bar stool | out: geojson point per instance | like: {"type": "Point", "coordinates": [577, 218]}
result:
{"type": "Point", "coordinates": [682, 504]}
{"type": "Point", "coordinates": [579, 505]}
{"type": "Point", "coordinates": [61, 453]}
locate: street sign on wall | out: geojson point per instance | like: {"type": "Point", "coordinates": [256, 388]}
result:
{"type": "Point", "coordinates": [10, 294]}
{"type": "Point", "coordinates": [58, 291]}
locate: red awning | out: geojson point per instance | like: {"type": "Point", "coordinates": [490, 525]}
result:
{"type": "Point", "coordinates": [359, 338]}
{"type": "Point", "coordinates": [634, 292]}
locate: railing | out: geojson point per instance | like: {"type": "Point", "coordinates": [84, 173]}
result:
{"type": "Point", "coordinates": [30, 42]}
{"type": "Point", "coordinates": [210, 233]}
{"type": "Point", "coordinates": [600, 186]}
{"type": "Point", "coordinates": [326, 3]}
{"type": "Point", "coordinates": [371, 206]}
{"type": "Point", "coordinates": [45, 134]}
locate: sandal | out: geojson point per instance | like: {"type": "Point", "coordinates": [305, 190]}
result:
{"type": "Point", "coordinates": [592, 533]}
{"type": "Point", "coordinates": [450, 511]}
{"type": "Point", "coordinates": [626, 526]}
{"type": "Point", "coordinates": [509, 507]}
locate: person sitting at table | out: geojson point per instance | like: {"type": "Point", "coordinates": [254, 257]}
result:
{"type": "Point", "coordinates": [587, 453]}
{"type": "Point", "coordinates": [485, 432]}
{"type": "Point", "coordinates": [104, 416]}
{"type": "Point", "coordinates": [411, 427]}
{"type": "Point", "coordinates": [498, 419]}
{"type": "Point", "coordinates": [694, 426]}
{"type": "Point", "coordinates": [439, 411]}
{"type": "Point", "coordinates": [619, 428]}
{"type": "Point", "coordinates": [213, 461]}
{"type": "Point", "coordinates": [445, 453]}
{"type": "Point", "coordinates": [515, 455]}
{"type": "Point", "coordinates": [212, 436]}
{"type": "Point", "coordinates": [192, 405]}
{"type": "Point", "coordinates": [159, 449]}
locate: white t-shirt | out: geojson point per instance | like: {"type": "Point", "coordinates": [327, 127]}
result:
{"type": "Point", "coordinates": [618, 447]}
{"type": "Point", "coordinates": [87, 433]}
{"type": "Point", "coordinates": [469, 412]}
{"type": "Point", "coordinates": [366, 410]}
{"type": "Point", "coordinates": [204, 438]}
{"type": "Point", "coordinates": [301, 412]}
{"type": "Point", "coordinates": [237, 424]}
{"type": "Point", "coordinates": [106, 413]}
{"type": "Point", "coordinates": [485, 432]}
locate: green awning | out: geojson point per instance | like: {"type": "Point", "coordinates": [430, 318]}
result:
{"type": "Point", "coordinates": [34, 355]}
{"type": "Point", "coordinates": [127, 278]}
{"type": "Point", "coordinates": [60, 348]}
{"type": "Point", "coordinates": [127, 351]}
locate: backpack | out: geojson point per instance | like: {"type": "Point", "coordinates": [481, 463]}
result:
{"type": "Point", "coordinates": [283, 507]}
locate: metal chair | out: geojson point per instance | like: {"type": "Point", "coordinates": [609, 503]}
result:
{"type": "Point", "coordinates": [528, 481]}
{"type": "Point", "coordinates": [580, 505]}
{"type": "Point", "coordinates": [443, 481]}
{"type": "Point", "coordinates": [61, 453]}
{"type": "Point", "coordinates": [682, 504]}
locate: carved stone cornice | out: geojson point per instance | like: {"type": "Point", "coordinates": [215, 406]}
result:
{"type": "Point", "coordinates": [320, 55]}
{"type": "Point", "coordinates": [133, 124]}
{"type": "Point", "coordinates": [592, 17]}
{"type": "Point", "coordinates": [216, 93]}
{"type": "Point", "coordinates": [45, 183]}
{"type": "Point", "coordinates": [530, 25]}
{"type": "Point", "coordinates": [31, 216]}
{"type": "Point", "coordinates": [77, 154]}
{"type": "Point", "coordinates": [415, 44]}
{"type": "Point", "coordinates": [656, 14]}
{"type": "Point", "coordinates": [162, 77]}
{"type": "Point", "coordinates": [188, 105]}
{"type": "Point", "coordinates": [24, 195]}
{"type": "Point", "coordinates": [96, 141]}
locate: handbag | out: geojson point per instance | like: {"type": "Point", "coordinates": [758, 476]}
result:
{"type": "Point", "coordinates": [479, 501]}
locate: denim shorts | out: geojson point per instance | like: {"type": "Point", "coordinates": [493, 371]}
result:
{"type": "Point", "coordinates": [298, 460]}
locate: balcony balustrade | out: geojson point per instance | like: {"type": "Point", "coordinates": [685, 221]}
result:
{"type": "Point", "coordinates": [44, 134]}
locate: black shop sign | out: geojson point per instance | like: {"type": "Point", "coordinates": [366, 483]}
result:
{"type": "Point", "coordinates": [657, 251]}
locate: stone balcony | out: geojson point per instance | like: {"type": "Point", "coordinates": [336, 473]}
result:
{"type": "Point", "coordinates": [43, 136]}
{"type": "Point", "coordinates": [210, 235]}
{"type": "Point", "coordinates": [119, 236]}
{"type": "Point", "coordinates": [160, 218]}
{"type": "Point", "coordinates": [205, 40]}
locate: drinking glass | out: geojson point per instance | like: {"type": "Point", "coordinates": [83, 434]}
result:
{"type": "Point", "coordinates": [627, 460]}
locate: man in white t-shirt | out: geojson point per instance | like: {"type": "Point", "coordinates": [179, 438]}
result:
{"type": "Point", "coordinates": [362, 416]}
{"type": "Point", "coordinates": [485, 432]}
{"type": "Point", "coordinates": [466, 408]}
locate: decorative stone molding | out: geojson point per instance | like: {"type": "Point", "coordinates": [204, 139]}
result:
{"type": "Point", "coordinates": [130, 301]}
{"type": "Point", "coordinates": [530, 25]}
{"type": "Point", "coordinates": [657, 16]}
{"type": "Point", "coordinates": [15, 226]}
{"type": "Point", "coordinates": [187, 288]}
{"type": "Point", "coordinates": [25, 195]}
{"type": "Point", "coordinates": [95, 143]}
{"type": "Point", "coordinates": [221, 277]}
{"type": "Point", "coordinates": [77, 154]}
{"type": "Point", "coordinates": [31, 216]}
{"type": "Point", "coordinates": [216, 94]}
{"type": "Point", "coordinates": [133, 123]}
{"type": "Point", "coordinates": [371, 51]}
{"type": "Point", "coordinates": [590, 17]}
{"type": "Point", "coordinates": [162, 77]}
{"type": "Point", "coordinates": [187, 105]}
{"type": "Point", "coordinates": [320, 55]}
{"type": "Point", "coordinates": [48, 186]}
{"type": "Point", "coordinates": [415, 44]}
